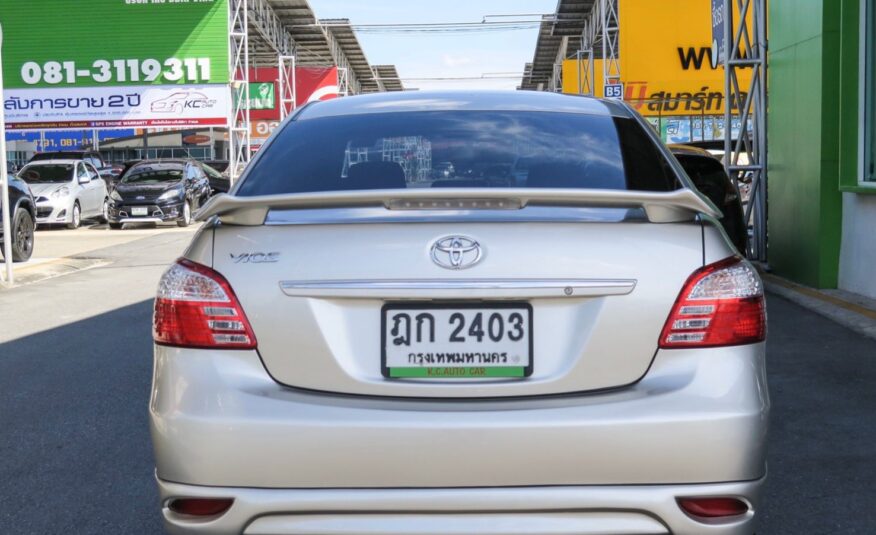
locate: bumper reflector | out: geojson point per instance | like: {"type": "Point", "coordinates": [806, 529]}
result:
{"type": "Point", "coordinates": [200, 506]}
{"type": "Point", "coordinates": [713, 507]}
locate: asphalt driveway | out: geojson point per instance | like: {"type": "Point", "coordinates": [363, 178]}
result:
{"type": "Point", "coordinates": [75, 455]}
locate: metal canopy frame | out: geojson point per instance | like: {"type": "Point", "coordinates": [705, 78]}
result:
{"type": "Point", "coordinates": [274, 39]}
{"type": "Point", "coordinates": [387, 78]}
{"type": "Point", "coordinates": [286, 33]}
{"type": "Point", "coordinates": [559, 35]}
{"type": "Point", "coordinates": [746, 48]}
{"type": "Point", "coordinates": [579, 29]}
{"type": "Point", "coordinates": [601, 37]}
{"type": "Point", "coordinates": [348, 79]}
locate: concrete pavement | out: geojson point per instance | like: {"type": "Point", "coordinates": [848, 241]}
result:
{"type": "Point", "coordinates": [59, 251]}
{"type": "Point", "coordinates": [75, 366]}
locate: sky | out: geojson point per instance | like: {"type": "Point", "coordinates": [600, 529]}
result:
{"type": "Point", "coordinates": [429, 55]}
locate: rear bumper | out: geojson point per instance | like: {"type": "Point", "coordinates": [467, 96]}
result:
{"type": "Point", "coordinates": [698, 416]}
{"type": "Point", "coordinates": [578, 510]}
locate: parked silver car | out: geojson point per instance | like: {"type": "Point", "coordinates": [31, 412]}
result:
{"type": "Point", "coordinates": [66, 191]}
{"type": "Point", "coordinates": [563, 341]}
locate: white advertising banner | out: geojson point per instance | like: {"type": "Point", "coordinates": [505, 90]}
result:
{"type": "Point", "coordinates": [116, 107]}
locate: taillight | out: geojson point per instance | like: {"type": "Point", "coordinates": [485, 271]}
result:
{"type": "Point", "coordinates": [196, 307]}
{"type": "Point", "coordinates": [720, 305]}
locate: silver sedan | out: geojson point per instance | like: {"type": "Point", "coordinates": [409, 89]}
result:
{"type": "Point", "coordinates": [550, 334]}
{"type": "Point", "coordinates": [66, 191]}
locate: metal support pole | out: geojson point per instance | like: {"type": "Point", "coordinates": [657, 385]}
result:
{"type": "Point", "coordinates": [288, 89]}
{"type": "Point", "coordinates": [343, 82]}
{"type": "Point", "coordinates": [4, 200]}
{"type": "Point", "coordinates": [610, 23]}
{"type": "Point", "coordinates": [745, 46]}
{"type": "Point", "coordinates": [728, 112]}
{"type": "Point", "coordinates": [556, 83]}
{"type": "Point", "coordinates": [239, 117]}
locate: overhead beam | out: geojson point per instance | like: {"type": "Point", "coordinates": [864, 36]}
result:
{"type": "Point", "coordinates": [338, 55]}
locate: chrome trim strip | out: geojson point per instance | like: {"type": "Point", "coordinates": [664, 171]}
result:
{"type": "Point", "coordinates": [457, 288]}
{"type": "Point", "coordinates": [141, 220]}
{"type": "Point", "coordinates": [379, 214]}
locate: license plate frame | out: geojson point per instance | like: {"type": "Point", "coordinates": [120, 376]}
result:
{"type": "Point", "coordinates": [468, 305]}
{"type": "Point", "coordinates": [139, 211]}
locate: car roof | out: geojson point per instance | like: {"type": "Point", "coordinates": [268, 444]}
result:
{"type": "Point", "coordinates": [67, 153]}
{"type": "Point", "coordinates": [159, 161]}
{"type": "Point", "coordinates": [164, 160]}
{"type": "Point", "coordinates": [160, 164]}
{"type": "Point", "coordinates": [413, 101]}
{"type": "Point", "coordinates": [687, 150]}
{"type": "Point", "coordinates": [54, 161]}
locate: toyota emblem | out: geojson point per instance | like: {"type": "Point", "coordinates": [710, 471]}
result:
{"type": "Point", "coordinates": [456, 252]}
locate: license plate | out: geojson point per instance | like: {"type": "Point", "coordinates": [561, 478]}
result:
{"type": "Point", "coordinates": [457, 341]}
{"type": "Point", "coordinates": [139, 210]}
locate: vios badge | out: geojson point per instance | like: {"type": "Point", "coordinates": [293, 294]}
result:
{"type": "Point", "coordinates": [456, 252]}
{"type": "Point", "coordinates": [255, 258]}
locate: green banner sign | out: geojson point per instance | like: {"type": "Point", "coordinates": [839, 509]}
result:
{"type": "Point", "coordinates": [261, 96]}
{"type": "Point", "coordinates": [73, 43]}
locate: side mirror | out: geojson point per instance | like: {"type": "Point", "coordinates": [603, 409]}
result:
{"type": "Point", "coordinates": [84, 179]}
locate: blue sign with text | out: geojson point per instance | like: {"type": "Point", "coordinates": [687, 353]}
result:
{"type": "Point", "coordinates": [718, 47]}
{"type": "Point", "coordinates": [53, 140]}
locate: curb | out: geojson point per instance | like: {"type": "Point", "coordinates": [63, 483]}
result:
{"type": "Point", "coordinates": [50, 268]}
{"type": "Point", "coordinates": [858, 318]}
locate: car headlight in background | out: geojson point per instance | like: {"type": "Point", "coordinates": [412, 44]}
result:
{"type": "Point", "coordinates": [170, 195]}
{"type": "Point", "coordinates": [61, 192]}
{"type": "Point", "coordinates": [115, 196]}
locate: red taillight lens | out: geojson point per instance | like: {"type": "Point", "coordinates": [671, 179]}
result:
{"type": "Point", "coordinates": [713, 507]}
{"type": "Point", "coordinates": [720, 305]}
{"type": "Point", "coordinates": [196, 307]}
{"type": "Point", "coordinates": [200, 506]}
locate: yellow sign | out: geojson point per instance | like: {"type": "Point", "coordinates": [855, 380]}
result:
{"type": "Point", "coordinates": [665, 60]}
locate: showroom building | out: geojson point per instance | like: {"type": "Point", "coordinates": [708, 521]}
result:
{"type": "Point", "coordinates": [822, 143]}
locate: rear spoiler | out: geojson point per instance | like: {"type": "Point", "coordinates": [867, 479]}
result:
{"type": "Point", "coordinates": [659, 207]}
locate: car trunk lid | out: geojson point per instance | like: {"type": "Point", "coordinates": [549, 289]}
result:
{"type": "Point", "coordinates": [324, 286]}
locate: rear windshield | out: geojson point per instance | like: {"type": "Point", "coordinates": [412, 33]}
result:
{"type": "Point", "coordinates": [42, 174]}
{"type": "Point", "coordinates": [466, 149]}
{"type": "Point", "coordinates": [147, 174]}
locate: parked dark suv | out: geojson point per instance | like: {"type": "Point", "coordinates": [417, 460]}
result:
{"type": "Point", "coordinates": [158, 191]}
{"type": "Point", "coordinates": [22, 219]}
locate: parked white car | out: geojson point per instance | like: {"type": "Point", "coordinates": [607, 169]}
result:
{"type": "Point", "coordinates": [66, 191]}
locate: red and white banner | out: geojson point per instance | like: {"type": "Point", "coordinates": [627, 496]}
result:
{"type": "Point", "coordinates": [114, 107]}
{"type": "Point", "coordinates": [315, 83]}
